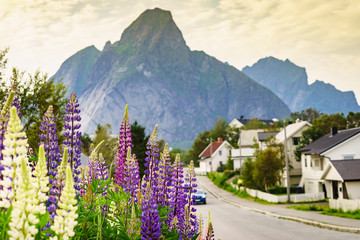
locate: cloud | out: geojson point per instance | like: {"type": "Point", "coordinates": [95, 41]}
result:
{"type": "Point", "coordinates": [322, 36]}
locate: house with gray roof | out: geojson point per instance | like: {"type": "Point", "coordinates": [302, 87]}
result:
{"type": "Point", "coordinates": [331, 164]}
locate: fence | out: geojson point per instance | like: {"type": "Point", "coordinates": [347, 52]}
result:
{"type": "Point", "coordinates": [302, 197]}
{"type": "Point", "coordinates": [345, 204]}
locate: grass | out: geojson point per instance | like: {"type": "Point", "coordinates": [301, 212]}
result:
{"type": "Point", "coordinates": [328, 211]}
{"type": "Point", "coordinates": [219, 179]}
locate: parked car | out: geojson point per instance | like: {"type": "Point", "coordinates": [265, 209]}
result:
{"type": "Point", "coordinates": [199, 196]}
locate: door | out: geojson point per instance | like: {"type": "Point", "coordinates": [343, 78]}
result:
{"type": "Point", "coordinates": [335, 189]}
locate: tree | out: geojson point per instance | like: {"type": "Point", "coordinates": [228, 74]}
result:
{"type": "Point", "coordinates": [232, 135]}
{"type": "Point", "coordinates": [139, 141]}
{"type": "Point", "coordinates": [308, 136]}
{"type": "Point", "coordinates": [308, 114]}
{"type": "Point", "coordinates": [219, 130]}
{"type": "Point", "coordinates": [254, 124]}
{"type": "Point", "coordinates": [36, 94]}
{"type": "Point", "coordinates": [247, 174]}
{"type": "Point", "coordinates": [86, 141]}
{"type": "Point", "coordinates": [353, 120]}
{"type": "Point", "coordinates": [325, 122]}
{"type": "Point", "coordinates": [200, 143]}
{"type": "Point", "coordinates": [103, 133]}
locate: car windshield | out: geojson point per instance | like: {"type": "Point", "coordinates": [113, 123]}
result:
{"type": "Point", "coordinates": [199, 191]}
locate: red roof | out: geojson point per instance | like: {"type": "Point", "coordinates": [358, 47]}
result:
{"type": "Point", "coordinates": [208, 149]}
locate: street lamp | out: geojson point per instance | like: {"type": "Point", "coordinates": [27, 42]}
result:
{"type": "Point", "coordinates": [286, 162]}
{"type": "Point", "coordinates": [211, 163]}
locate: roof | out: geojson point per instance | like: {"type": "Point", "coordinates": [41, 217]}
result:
{"type": "Point", "coordinates": [329, 141]}
{"type": "Point", "coordinates": [263, 136]}
{"type": "Point", "coordinates": [291, 129]}
{"type": "Point", "coordinates": [209, 149]}
{"type": "Point", "coordinates": [349, 170]}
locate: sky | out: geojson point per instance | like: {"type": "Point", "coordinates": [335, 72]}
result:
{"type": "Point", "coordinates": [322, 36]}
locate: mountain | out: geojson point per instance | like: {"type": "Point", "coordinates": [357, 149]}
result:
{"type": "Point", "coordinates": [153, 70]}
{"type": "Point", "coordinates": [290, 83]}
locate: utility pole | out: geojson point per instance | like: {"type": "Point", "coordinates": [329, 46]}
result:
{"type": "Point", "coordinates": [211, 163]}
{"type": "Point", "coordinates": [240, 150]}
{"type": "Point", "coordinates": [286, 166]}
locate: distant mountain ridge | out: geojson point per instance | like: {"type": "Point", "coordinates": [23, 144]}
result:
{"type": "Point", "coordinates": [153, 70]}
{"type": "Point", "coordinates": [290, 83]}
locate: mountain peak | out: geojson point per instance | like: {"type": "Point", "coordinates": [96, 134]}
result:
{"type": "Point", "coordinates": [153, 27]}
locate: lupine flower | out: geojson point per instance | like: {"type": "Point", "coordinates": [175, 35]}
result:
{"type": "Point", "coordinates": [4, 116]}
{"type": "Point", "coordinates": [25, 208]}
{"type": "Point", "coordinates": [65, 220]}
{"type": "Point", "coordinates": [189, 227]}
{"type": "Point", "coordinates": [61, 176]}
{"type": "Point", "coordinates": [49, 140]}
{"type": "Point", "coordinates": [15, 148]}
{"type": "Point", "coordinates": [72, 135]}
{"type": "Point", "coordinates": [177, 197]}
{"type": "Point", "coordinates": [124, 143]}
{"type": "Point", "coordinates": [164, 176]}
{"type": "Point", "coordinates": [150, 220]}
{"type": "Point", "coordinates": [41, 180]}
{"type": "Point", "coordinates": [152, 163]}
{"type": "Point", "coordinates": [132, 178]}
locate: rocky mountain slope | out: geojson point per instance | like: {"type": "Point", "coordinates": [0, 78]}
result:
{"type": "Point", "coordinates": [290, 83]}
{"type": "Point", "coordinates": [153, 70]}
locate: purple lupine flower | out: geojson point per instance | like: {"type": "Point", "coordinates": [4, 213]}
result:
{"type": "Point", "coordinates": [189, 228]}
{"type": "Point", "coordinates": [124, 143]}
{"type": "Point", "coordinates": [164, 177]}
{"type": "Point", "coordinates": [177, 197]}
{"type": "Point", "coordinates": [152, 164]}
{"type": "Point", "coordinates": [49, 140]}
{"type": "Point", "coordinates": [72, 136]}
{"type": "Point", "coordinates": [150, 220]}
{"type": "Point", "coordinates": [132, 178]}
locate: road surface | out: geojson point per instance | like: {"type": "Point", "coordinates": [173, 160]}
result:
{"type": "Point", "coordinates": [231, 222]}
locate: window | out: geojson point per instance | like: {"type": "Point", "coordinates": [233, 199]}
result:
{"type": "Point", "coordinates": [316, 162]}
{"type": "Point", "coordinates": [219, 152]}
{"type": "Point", "coordinates": [306, 162]}
{"type": "Point", "coordinates": [295, 141]}
{"type": "Point", "coordinates": [348, 157]}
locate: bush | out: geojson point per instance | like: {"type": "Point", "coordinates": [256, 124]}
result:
{"type": "Point", "coordinates": [282, 190]}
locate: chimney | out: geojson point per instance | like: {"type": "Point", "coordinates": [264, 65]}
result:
{"type": "Point", "coordinates": [334, 131]}
{"type": "Point", "coordinates": [220, 139]}
{"type": "Point", "coordinates": [241, 117]}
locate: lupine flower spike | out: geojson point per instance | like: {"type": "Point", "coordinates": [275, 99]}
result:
{"type": "Point", "coordinates": [25, 207]}
{"type": "Point", "coordinates": [65, 220]}
{"type": "Point", "coordinates": [15, 148]}
{"type": "Point", "coordinates": [164, 176]}
{"type": "Point", "coordinates": [131, 180]}
{"type": "Point", "coordinates": [124, 143]}
{"type": "Point", "coordinates": [4, 117]}
{"type": "Point", "coordinates": [72, 135]}
{"type": "Point", "coordinates": [41, 180]}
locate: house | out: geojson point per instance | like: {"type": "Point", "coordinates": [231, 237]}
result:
{"type": "Point", "coordinates": [264, 136]}
{"type": "Point", "coordinates": [331, 164]}
{"type": "Point", "coordinates": [293, 133]}
{"type": "Point", "coordinates": [246, 141]}
{"type": "Point", "coordinates": [214, 155]}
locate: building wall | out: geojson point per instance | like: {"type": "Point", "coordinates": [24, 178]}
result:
{"type": "Point", "coordinates": [353, 189]}
{"type": "Point", "coordinates": [346, 149]}
{"type": "Point", "coordinates": [221, 155]}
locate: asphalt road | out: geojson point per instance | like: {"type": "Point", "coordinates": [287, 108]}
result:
{"type": "Point", "coordinates": [231, 222]}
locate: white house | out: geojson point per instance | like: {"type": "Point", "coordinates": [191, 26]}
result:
{"type": "Point", "coordinates": [246, 141]}
{"type": "Point", "coordinates": [331, 164]}
{"type": "Point", "coordinates": [240, 122]}
{"type": "Point", "coordinates": [293, 134]}
{"type": "Point", "coordinates": [214, 155]}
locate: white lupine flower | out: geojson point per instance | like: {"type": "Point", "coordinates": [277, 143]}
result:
{"type": "Point", "coordinates": [25, 207]}
{"type": "Point", "coordinates": [65, 220]}
{"type": "Point", "coordinates": [15, 143]}
{"type": "Point", "coordinates": [41, 181]}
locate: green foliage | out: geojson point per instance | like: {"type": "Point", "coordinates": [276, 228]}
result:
{"type": "Point", "coordinates": [103, 133]}
{"type": "Point", "coordinates": [308, 114]}
{"type": "Point", "coordinates": [86, 142]}
{"type": "Point", "coordinates": [139, 141]}
{"type": "Point", "coordinates": [184, 155]}
{"type": "Point", "coordinates": [328, 211]}
{"type": "Point", "coordinates": [325, 122]}
{"type": "Point", "coordinates": [247, 174]}
{"type": "Point", "coordinates": [254, 124]}
{"type": "Point", "coordinates": [199, 145]}
{"type": "Point", "coordinates": [35, 96]}
{"type": "Point", "coordinates": [282, 190]}
{"type": "Point", "coordinates": [4, 222]}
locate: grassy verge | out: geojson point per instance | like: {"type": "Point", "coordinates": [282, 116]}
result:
{"type": "Point", "coordinates": [328, 211]}
{"type": "Point", "coordinates": [219, 179]}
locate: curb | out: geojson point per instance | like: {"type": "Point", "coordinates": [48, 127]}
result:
{"type": "Point", "coordinates": [295, 219]}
